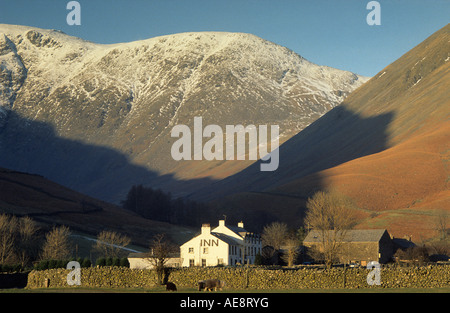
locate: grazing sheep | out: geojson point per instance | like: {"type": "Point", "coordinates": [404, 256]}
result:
{"type": "Point", "coordinates": [211, 284]}
{"type": "Point", "coordinates": [171, 287]}
{"type": "Point", "coordinates": [201, 285]}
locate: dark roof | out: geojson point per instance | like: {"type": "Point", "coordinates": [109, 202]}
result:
{"type": "Point", "coordinates": [352, 235]}
{"type": "Point", "coordinates": [225, 238]}
{"type": "Point", "coordinates": [144, 255]}
{"type": "Point", "coordinates": [238, 230]}
{"type": "Point", "coordinates": [403, 243]}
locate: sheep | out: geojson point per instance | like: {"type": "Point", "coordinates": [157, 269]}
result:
{"type": "Point", "coordinates": [210, 285]}
{"type": "Point", "coordinates": [171, 286]}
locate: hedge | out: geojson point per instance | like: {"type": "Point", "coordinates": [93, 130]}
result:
{"type": "Point", "coordinates": [52, 264]}
{"type": "Point", "coordinates": [112, 262]}
{"type": "Point", "coordinates": [253, 278]}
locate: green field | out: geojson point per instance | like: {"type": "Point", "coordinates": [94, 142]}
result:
{"type": "Point", "coordinates": [194, 290]}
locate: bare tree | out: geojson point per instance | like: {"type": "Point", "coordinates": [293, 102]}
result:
{"type": "Point", "coordinates": [290, 250]}
{"type": "Point", "coordinates": [273, 236]}
{"type": "Point", "coordinates": [28, 239]}
{"type": "Point", "coordinates": [160, 251]}
{"type": "Point", "coordinates": [441, 225]}
{"type": "Point", "coordinates": [18, 239]}
{"type": "Point", "coordinates": [57, 244]}
{"type": "Point", "coordinates": [439, 250]}
{"type": "Point", "coordinates": [111, 244]}
{"type": "Point", "coordinates": [8, 225]}
{"type": "Point", "coordinates": [331, 215]}
{"type": "Point", "coordinates": [414, 255]}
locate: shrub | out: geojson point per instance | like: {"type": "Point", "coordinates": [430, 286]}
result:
{"type": "Point", "coordinates": [109, 262]}
{"type": "Point", "coordinates": [101, 262]}
{"type": "Point", "coordinates": [124, 262]}
{"type": "Point", "coordinates": [115, 262]}
{"type": "Point", "coordinates": [86, 263]}
{"type": "Point", "coordinates": [259, 259]}
{"type": "Point", "coordinates": [52, 264]}
{"type": "Point", "coordinates": [10, 268]}
{"type": "Point", "coordinates": [61, 263]}
{"type": "Point", "coordinates": [42, 265]}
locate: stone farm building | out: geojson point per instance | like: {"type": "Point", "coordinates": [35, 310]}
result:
{"type": "Point", "coordinates": [144, 261]}
{"type": "Point", "coordinates": [359, 246]}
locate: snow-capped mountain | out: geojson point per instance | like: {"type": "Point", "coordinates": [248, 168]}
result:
{"type": "Point", "coordinates": [60, 94]}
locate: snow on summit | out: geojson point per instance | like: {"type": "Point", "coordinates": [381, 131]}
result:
{"type": "Point", "coordinates": [128, 96]}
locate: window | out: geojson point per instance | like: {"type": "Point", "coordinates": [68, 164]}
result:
{"type": "Point", "coordinates": [220, 262]}
{"type": "Point", "coordinates": [191, 250]}
{"type": "Point", "coordinates": [203, 262]}
{"type": "Point", "coordinates": [191, 262]}
{"type": "Point", "coordinates": [205, 250]}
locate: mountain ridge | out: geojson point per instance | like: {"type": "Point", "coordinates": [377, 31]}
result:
{"type": "Point", "coordinates": [127, 97]}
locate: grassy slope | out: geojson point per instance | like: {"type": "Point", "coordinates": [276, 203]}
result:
{"type": "Point", "coordinates": [52, 204]}
{"type": "Point", "coordinates": [405, 185]}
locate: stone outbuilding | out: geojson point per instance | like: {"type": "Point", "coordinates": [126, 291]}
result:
{"type": "Point", "coordinates": [359, 246]}
{"type": "Point", "coordinates": [144, 261]}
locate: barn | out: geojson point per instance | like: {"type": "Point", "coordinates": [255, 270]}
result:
{"type": "Point", "coordinates": [359, 246]}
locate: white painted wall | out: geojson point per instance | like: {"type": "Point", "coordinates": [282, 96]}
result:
{"type": "Point", "coordinates": [220, 246]}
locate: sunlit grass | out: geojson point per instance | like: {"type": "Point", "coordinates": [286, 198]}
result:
{"type": "Point", "coordinates": [194, 290]}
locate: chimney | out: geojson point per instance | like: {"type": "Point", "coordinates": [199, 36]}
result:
{"type": "Point", "coordinates": [221, 222]}
{"type": "Point", "coordinates": [241, 224]}
{"type": "Point", "coordinates": [206, 229]}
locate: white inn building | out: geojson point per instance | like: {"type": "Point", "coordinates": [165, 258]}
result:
{"type": "Point", "coordinates": [223, 245]}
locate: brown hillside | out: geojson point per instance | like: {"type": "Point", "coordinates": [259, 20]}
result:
{"type": "Point", "coordinates": [52, 204]}
{"type": "Point", "coordinates": [403, 188]}
{"type": "Point", "coordinates": [387, 147]}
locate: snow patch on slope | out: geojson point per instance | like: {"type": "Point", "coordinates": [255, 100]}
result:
{"type": "Point", "coordinates": [148, 86]}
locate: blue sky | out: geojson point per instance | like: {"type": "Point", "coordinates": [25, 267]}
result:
{"type": "Point", "coordinates": [333, 33]}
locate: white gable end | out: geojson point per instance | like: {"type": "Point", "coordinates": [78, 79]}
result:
{"type": "Point", "coordinates": [221, 246]}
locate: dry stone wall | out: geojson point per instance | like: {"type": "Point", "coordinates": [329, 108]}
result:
{"type": "Point", "coordinates": [252, 278]}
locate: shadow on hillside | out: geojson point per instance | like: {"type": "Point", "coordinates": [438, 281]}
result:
{"type": "Point", "coordinates": [338, 137]}
{"type": "Point", "coordinates": [107, 174]}
{"type": "Point", "coordinates": [101, 172]}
